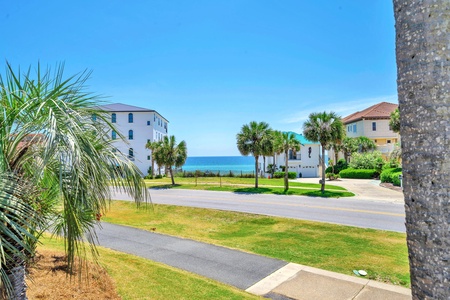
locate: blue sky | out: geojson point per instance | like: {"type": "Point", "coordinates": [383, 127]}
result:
{"type": "Point", "coordinates": [211, 66]}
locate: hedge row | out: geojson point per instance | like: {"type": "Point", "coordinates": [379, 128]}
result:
{"type": "Point", "coordinates": [291, 175]}
{"type": "Point", "coordinates": [391, 175]}
{"type": "Point", "coordinates": [358, 173]}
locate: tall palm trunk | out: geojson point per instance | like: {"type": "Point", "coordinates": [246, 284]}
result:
{"type": "Point", "coordinates": [322, 160]}
{"type": "Point", "coordinates": [171, 174]}
{"type": "Point", "coordinates": [256, 171]}
{"type": "Point", "coordinates": [286, 171]}
{"type": "Point", "coordinates": [423, 55]}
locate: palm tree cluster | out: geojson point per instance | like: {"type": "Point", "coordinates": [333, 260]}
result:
{"type": "Point", "coordinates": [56, 168]}
{"type": "Point", "coordinates": [167, 153]}
{"type": "Point", "coordinates": [259, 139]}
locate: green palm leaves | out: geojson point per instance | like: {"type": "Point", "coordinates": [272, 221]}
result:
{"type": "Point", "coordinates": [324, 128]}
{"type": "Point", "coordinates": [56, 164]}
{"type": "Point", "coordinates": [284, 142]}
{"type": "Point", "coordinates": [254, 138]}
{"type": "Point", "coordinates": [167, 153]}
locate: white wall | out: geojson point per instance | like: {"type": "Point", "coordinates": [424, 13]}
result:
{"type": "Point", "coordinates": [141, 134]}
{"type": "Point", "coordinates": [307, 163]}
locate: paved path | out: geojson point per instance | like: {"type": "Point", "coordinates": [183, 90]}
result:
{"type": "Point", "coordinates": [236, 268]}
{"type": "Point", "coordinates": [256, 274]}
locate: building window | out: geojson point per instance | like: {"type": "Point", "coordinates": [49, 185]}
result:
{"type": "Point", "coordinates": [349, 128]}
{"type": "Point", "coordinates": [131, 153]}
{"type": "Point", "coordinates": [130, 118]}
{"type": "Point", "coordinates": [388, 141]}
{"type": "Point", "coordinates": [148, 157]}
{"type": "Point", "coordinates": [374, 126]}
{"type": "Point", "coordinates": [354, 127]}
{"type": "Point", "coordinates": [113, 118]}
{"type": "Point", "coordinates": [148, 123]}
{"type": "Point", "coordinates": [113, 135]}
{"type": "Point", "coordinates": [94, 117]}
{"type": "Point", "coordinates": [292, 154]}
{"type": "Point", "coordinates": [130, 134]}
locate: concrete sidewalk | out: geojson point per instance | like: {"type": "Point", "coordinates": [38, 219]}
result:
{"type": "Point", "coordinates": [270, 278]}
{"type": "Point", "coordinates": [299, 282]}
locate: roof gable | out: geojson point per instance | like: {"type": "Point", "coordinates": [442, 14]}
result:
{"type": "Point", "coordinates": [381, 110]}
{"type": "Point", "coordinates": [120, 107]}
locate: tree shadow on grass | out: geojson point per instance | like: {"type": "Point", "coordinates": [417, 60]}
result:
{"type": "Point", "coordinates": [164, 186]}
{"type": "Point", "coordinates": [328, 194]}
{"type": "Point", "coordinates": [252, 190]}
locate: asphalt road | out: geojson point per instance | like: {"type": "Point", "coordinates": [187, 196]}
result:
{"type": "Point", "coordinates": [345, 211]}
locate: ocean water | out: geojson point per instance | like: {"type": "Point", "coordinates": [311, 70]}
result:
{"type": "Point", "coordinates": [222, 164]}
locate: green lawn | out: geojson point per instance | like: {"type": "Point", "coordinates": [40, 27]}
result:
{"type": "Point", "coordinates": [246, 185]}
{"type": "Point", "coordinates": [139, 278]}
{"type": "Point", "coordinates": [382, 254]}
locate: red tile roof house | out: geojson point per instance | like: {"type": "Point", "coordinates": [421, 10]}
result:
{"type": "Point", "coordinates": [373, 122]}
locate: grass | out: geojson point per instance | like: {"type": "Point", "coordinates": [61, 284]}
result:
{"type": "Point", "coordinates": [139, 278]}
{"type": "Point", "coordinates": [337, 248]}
{"type": "Point", "coordinates": [246, 185]}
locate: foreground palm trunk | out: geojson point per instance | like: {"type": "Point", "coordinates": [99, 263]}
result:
{"type": "Point", "coordinates": [423, 40]}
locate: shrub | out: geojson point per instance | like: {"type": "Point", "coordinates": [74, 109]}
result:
{"type": "Point", "coordinates": [341, 165]}
{"type": "Point", "coordinates": [367, 161]}
{"type": "Point", "coordinates": [291, 175]}
{"type": "Point", "coordinates": [395, 178]}
{"type": "Point", "coordinates": [158, 176]}
{"type": "Point", "coordinates": [332, 176]}
{"type": "Point", "coordinates": [391, 176]}
{"type": "Point", "coordinates": [359, 173]}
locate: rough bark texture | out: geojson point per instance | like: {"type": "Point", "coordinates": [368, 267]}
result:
{"type": "Point", "coordinates": [423, 42]}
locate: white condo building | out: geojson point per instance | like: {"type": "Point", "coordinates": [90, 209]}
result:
{"type": "Point", "coordinates": [138, 125]}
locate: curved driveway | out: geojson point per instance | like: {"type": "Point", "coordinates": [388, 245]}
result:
{"type": "Point", "coordinates": [358, 212]}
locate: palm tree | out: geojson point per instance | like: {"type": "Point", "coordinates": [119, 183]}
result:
{"type": "Point", "coordinates": [422, 39]}
{"type": "Point", "coordinates": [348, 147]}
{"type": "Point", "coordinates": [172, 154]}
{"type": "Point", "coordinates": [153, 146]}
{"type": "Point", "coordinates": [365, 144]}
{"type": "Point", "coordinates": [394, 121]}
{"type": "Point", "coordinates": [284, 143]}
{"type": "Point", "coordinates": [267, 150]}
{"type": "Point", "coordinates": [324, 128]}
{"type": "Point", "coordinates": [56, 168]}
{"type": "Point", "coordinates": [251, 139]}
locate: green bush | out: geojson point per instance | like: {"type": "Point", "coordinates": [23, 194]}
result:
{"type": "Point", "coordinates": [395, 178]}
{"type": "Point", "coordinates": [291, 175]}
{"type": "Point", "coordinates": [341, 165]}
{"type": "Point", "coordinates": [367, 161]}
{"type": "Point", "coordinates": [391, 176]}
{"type": "Point", "coordinates": [158, 176]}
{"type": "Point", "coordinates": [359, 173]}
{"type": "Point", "coordinates": [332, 176]}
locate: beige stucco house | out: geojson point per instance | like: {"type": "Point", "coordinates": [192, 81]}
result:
{"type": "Point", "coordinates": [373, 122]}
